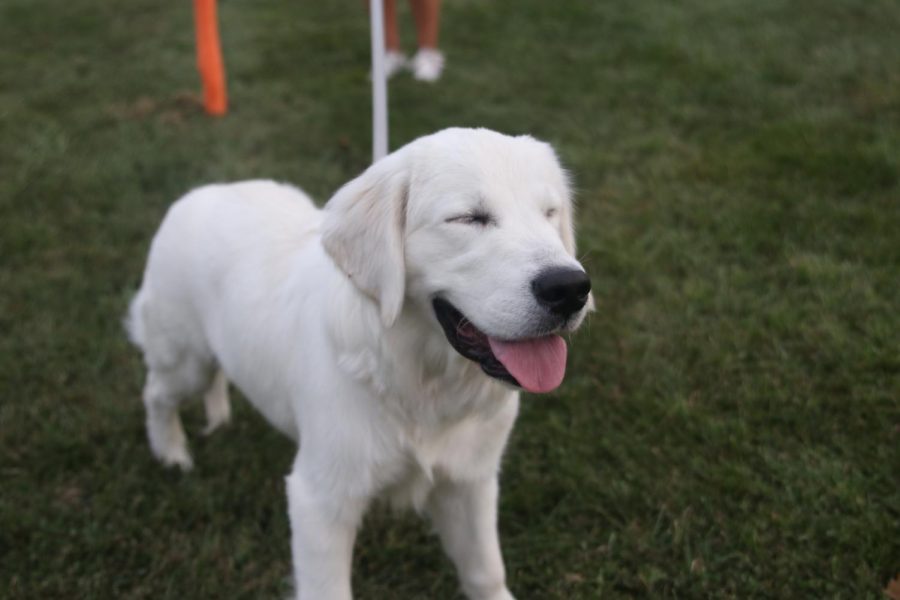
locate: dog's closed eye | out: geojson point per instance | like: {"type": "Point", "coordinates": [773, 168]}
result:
{"type": "Point", "coordinates": [476, 217]}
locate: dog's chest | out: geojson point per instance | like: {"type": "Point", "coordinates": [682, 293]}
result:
{"type": "Point", "coordinates": [422, 384]}
{"type": "Point", "coordinates": [465, 450]}
{"type": "Point", "coordinates": [428, 458]}
{"type": "Point", "coordinates": [437, 416]}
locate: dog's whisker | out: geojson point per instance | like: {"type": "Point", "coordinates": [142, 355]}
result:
{"type": "Point", "coordinates": [463, 323]}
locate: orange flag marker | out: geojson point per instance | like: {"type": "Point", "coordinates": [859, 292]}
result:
{"type": "Point", "coordinates": [209, 57]}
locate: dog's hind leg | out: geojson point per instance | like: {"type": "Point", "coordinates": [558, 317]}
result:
{"type": "Point", "coordinates": [218, 407]}
{"type": "Point", "coordinates": [164, 391]}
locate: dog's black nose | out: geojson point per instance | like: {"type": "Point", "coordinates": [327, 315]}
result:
{"type": "Point", "coordinates": [562, 290]}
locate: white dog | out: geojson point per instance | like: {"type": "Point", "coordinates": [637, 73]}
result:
{"type": "Point", "coordinates": [388, 334]}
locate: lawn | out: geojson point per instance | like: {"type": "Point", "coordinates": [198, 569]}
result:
{"type": "Point", "coordinates": [730, 424]}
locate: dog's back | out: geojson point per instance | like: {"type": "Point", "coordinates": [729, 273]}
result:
{"type": "Point", "coordinates": [206, 230]}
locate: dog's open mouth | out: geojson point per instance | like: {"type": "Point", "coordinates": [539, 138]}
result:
{"type": "Point", "coordinates": [535, 364]}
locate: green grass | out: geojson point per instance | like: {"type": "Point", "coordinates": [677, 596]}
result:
{"type": "Point", "coordinates": [730, 426]}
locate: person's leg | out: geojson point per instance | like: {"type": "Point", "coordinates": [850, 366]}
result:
{"type": "Point", "coordinates": [391, 31]}
{"type": "Point", "coordinates": [394, 58]}
{"type": "Point", "coordinates": [428, 62]}
{"type": "Point", "coordinates": [427, 14]}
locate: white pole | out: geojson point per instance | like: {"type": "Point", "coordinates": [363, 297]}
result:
{"type": "Point", "coordinates": [379, 83]}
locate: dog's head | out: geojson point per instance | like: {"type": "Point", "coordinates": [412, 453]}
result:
{"type": "Point", "coordinates": [476, 228]}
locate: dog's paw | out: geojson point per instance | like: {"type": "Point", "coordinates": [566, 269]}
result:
{"type": "Point", "coordinates": [177, 457]}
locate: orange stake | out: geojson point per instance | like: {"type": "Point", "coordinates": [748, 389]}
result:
{"type": "Point", "coordinates": [209, 57]}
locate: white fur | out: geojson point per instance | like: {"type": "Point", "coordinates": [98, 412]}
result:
{"type": "Point", "coordinates": [323, 319]}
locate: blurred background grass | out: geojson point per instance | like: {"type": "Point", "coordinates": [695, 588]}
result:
{"type": "Point", "coordinates": [730, 427]}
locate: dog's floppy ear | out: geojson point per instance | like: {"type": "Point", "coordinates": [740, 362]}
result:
{"type": "Point", "coordinates": [363, 232]}
{"type": "Point", "coordinates": [561, 185]}
{"type": "Point", "coordinates": [567, 224]}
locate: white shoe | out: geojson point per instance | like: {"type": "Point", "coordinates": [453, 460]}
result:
{"type": "Point", "coordinates": [428, 64]}
{"type": "Point", "coordinates": [394, 62]}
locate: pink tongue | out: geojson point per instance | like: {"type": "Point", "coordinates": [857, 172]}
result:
{"type": "Point", "coordinates": [538, 365]}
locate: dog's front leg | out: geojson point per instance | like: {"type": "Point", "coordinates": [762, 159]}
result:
{"type": "Point", "coordinates": [465, 515]}
{"type": "Point", "coordinates": [323, 530]}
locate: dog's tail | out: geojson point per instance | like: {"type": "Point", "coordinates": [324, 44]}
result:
{"type": "Point", "coordinates": [134, 319]}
